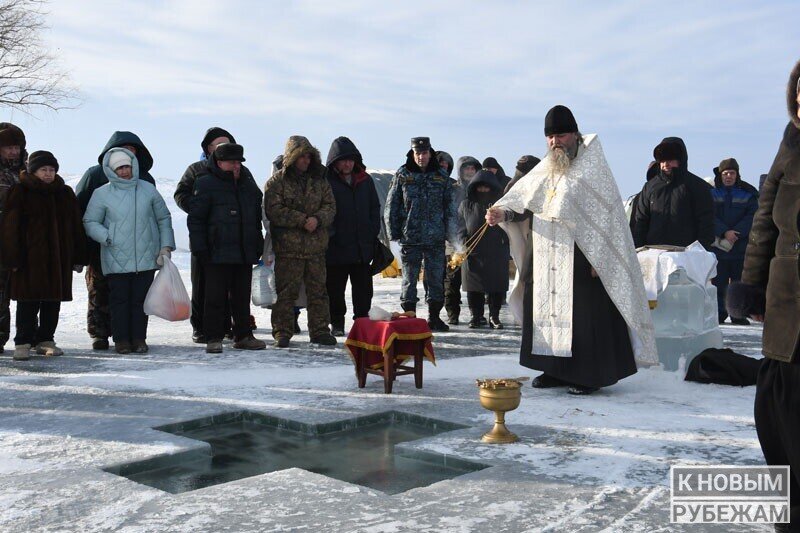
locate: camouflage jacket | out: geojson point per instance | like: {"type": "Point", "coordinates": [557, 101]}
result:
{"type": "Point", "coordinates": [290, 198]}
{"type": "Point", "coordinates": [421, 208]}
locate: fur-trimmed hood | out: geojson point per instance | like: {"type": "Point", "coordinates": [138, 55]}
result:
{"type": "Point", "coordinates": [463, 161]}
{"type": "Point", "coordinates": [791, 95]}
{"type": "Point", "coordinates": [298, 145]}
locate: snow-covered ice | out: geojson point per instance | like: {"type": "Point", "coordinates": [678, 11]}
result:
{"type": "Point", "coordinates": [595, 463]}
{"type": "Point", "coordinates": [582, 464]}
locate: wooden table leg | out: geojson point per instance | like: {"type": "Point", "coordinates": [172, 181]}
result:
{"type": "Point", "coordinates": [361, 370]}
{"type": "Point", "coordinates": [388, 371]}
{"type": "Point", "coordinates": [418, 368]}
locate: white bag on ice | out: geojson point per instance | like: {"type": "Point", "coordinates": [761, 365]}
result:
{"type": "Point", "coordinates": [263, 291]}
{"type": "Point", "coordinates": [167, 297]}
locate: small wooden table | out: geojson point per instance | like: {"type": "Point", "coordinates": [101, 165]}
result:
{"type": "Point", "coordinates": [380, 347]}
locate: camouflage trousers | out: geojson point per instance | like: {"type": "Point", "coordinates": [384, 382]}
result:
{"type": "Point", "coordinates": [5, 303]}
{"type": "Point", "coordinates": [98, 317]}
{"type": "Point", "coordinates": [412, 258]}
{"type": "Point", "coordinates": [290, 273]}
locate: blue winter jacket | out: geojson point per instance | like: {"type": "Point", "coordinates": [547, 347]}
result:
{"type": "Point", "coordinates": [130, 221]}
{"type": "Point", "coordinates": [421, 207]}
{"type": "Point", "coordinates": [734, 208]}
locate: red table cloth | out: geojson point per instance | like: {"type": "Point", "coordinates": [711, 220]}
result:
{"type": "Point", "coordinates": [403, 338]}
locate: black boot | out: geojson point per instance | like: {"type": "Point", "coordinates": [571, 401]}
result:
{"type": "Point", "coordinates": [494, 322]}
{"type": "Point", "coordinates": [337, 327]}
{"type": "Point", "coordinates": [546, 381]}
{"type": "Point", "coordinates": [409, 306]}
{"type": "Point", "coordinates": [434, 322]}
{"type": "Point", "coordinates": [580, 390]}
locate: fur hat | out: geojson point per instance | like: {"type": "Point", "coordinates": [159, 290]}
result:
{"type": "Point", "coordinates": [39, 159]}
{"type": "Point", "coordinates": [420, 144]}
{"type": "Point", "coordinates": [728, 164]}
{"type": "Point", "coordinates": [119, 158]}
{"type": "Point", "coordinates": [11, 135]}
{"type": "Point", "coordinates": [667, 151]}
{"type": "Point", "coordinates": [229, 152]}
{"type": "Point", "coordinates": [560, 120]}
{"type": "Point", "coordinates": [744, 300]}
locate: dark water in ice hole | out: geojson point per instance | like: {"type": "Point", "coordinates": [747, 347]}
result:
{"type": "Point", "coordinates": [363, 456]}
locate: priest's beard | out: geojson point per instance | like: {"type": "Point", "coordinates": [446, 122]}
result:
{"type": "Point", "coordinates": [557, 161]}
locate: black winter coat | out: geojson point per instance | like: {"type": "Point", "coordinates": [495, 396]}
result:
{"type": "Point", "coordinates": [675, 210]}
{"type": "Point", "coordinates": [225, 218]}
{"type": "Point", "coordinates": [486, 268]}
{"type": "Point", "coordinates": [185, 188]}
{"type": "Point", "coordinates": [357, 223]}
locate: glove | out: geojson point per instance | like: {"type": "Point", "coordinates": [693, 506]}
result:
{"type": "Point", "coordinates": [78, 268]}
{"type": "Point", "coordinates": [164, 252]}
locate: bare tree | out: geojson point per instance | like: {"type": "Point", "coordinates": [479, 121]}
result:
{"type": "Point", "coordinates": [29, 74]}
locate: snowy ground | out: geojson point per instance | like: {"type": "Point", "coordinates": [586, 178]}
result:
{"type": "Point", "coordinates": [596, 463]}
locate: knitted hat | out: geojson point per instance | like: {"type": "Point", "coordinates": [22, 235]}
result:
{"type": "Point", "coordinates": [118, 158]}
{"type": "Point", "coordinates": [559, 120]}
{"type": "Point", "coordinates": [728, 164]}
{"type": "Point", "coordinates": [39, 159]}
{"type": "Point", "coordinates": [214, 133]}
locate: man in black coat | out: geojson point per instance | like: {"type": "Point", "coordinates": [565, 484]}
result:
{"type": "Point", "coordinates": [675, 207]}
{"type": "Point", "coordinates": [225, 237]}
{"type": "Point", "coordinates": [183, 194]}
{"type": "Point", "coordinates": [353, 233]}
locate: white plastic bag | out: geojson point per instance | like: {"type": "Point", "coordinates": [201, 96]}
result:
{"type": "Point", "coordinates": [167, 297]}
{"type": "Point", "coordinates": [262, 290]}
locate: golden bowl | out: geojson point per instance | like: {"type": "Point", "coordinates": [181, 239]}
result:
{"type": "Point", "coordinates": [500, 396]}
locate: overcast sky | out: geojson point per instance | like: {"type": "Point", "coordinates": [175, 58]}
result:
{"type": "Point", "coordinates": [477, 77]}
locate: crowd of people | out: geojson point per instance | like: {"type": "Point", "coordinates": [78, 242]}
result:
{"type": "Point", "coordinates": [321, 229]}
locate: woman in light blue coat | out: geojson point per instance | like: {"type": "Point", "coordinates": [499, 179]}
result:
{"type": "Point", "coordinates": [130, 220]}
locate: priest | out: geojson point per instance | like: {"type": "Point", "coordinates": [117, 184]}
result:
{"type": "Point", "coordinates": [579, 292]}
